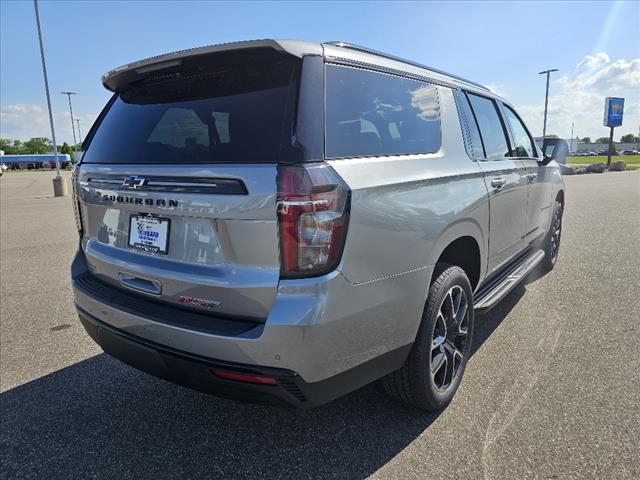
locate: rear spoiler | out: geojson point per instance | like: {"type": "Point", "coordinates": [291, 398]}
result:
{"type": "Point", "coordinates": [129, 73]}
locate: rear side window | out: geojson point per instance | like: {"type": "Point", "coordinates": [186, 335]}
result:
{"type": "Point", "coordinates": [477, 151]}
{"type": "Point", "coordinates": [369, 113]}
{"type": "Point", "coordinates": [229, 111]}
{"type": "Point", "coordinates": [491, 130]}
{"type": "Point", "coordinates": [522, 141]}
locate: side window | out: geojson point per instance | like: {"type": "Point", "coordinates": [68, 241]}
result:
{"type": "Point", "coordinates": [477, 150]}
{"type": "Point", "coordinates": [371, 113]}
{"type": "Point", "coordinates": [522, 142]}
{"type": "Point", "coordinates": [493, 139]}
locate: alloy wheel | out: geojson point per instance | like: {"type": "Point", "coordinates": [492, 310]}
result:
{"type": "Point", "coordinates": [556, 232]}
{"type": "Point", "coordinates": [449, 339]}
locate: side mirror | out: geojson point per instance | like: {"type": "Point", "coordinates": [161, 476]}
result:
{"type": "Point", "coordinates": [546, 160]}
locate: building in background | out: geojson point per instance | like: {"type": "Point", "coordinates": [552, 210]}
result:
{"type": "Point", "coordinates": [572, 143]}
{"type": "Point", "coordinates": [29, 162]}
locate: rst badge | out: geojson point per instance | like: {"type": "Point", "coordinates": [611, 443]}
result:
{"type": "Point", "coordinates": [199, 302]}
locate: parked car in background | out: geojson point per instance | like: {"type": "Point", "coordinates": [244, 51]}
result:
{"type": "Point", "coordinates": [629, 152]}
{"type": "Point", "coordinates": [285, 222]}
{"type": "Point", "coordinates": [3, 167]}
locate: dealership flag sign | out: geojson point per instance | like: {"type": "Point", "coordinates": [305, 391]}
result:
{"type": "Point", "coordinates": [613, 109]}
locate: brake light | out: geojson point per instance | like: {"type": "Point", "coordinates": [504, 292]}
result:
{"type": "Point", "coordinates": [313, 215]}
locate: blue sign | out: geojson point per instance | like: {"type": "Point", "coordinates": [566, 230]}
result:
{"type": "Point", "coordinates": [613, 109]}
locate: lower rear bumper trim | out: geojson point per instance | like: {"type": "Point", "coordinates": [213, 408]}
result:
{"type": "Point", "coordinates": [196, 372]}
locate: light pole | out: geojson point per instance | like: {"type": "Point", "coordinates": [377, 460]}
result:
{"type": "Point", "coordinates": [79, 139]}
{"type": "Point", "coordinates": [571, 139]}
{"type": "Point", "coordinates": [79, 134]}
{"type": "Point", "coordinates": [73, 129]}
{"type": "Point", "coordinates": [546, 102]}
{"type": "Point", "coordinates": [59, 184]}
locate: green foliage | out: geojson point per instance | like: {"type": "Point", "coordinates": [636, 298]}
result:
{"type": "Point", "coordinates": [11, 147]}
{"type": "Point", "coordinates": [551, 136]}
{"type": "Point", "coordinates": [65, 149]}
{"type": "Point", "coordinates": [586, 139]}
{"type": "Point", "coordinates": [629, 138]}
{"type": "Point", "coordinates": [38, 145]}
{"type": "Point", "coordinates": [602, 140]}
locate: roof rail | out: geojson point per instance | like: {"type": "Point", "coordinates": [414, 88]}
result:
{"type": "Point", "coordinates": [359, 48]}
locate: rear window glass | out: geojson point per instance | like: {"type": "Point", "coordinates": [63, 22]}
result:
{"type": "Point", "coordinates": [371, 113]}
{"type": "Point", "coordinates": [226, 112]}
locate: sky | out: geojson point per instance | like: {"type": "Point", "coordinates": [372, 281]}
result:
{"type": "Point", "coordinates": [594, 45]}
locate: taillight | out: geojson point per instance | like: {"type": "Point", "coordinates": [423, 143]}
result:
{"type": "Point", "coordinates": [313, 214]}
{"type": "Point", "coordinates": [77, 212]}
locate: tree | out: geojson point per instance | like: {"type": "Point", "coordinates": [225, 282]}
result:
{"type": "Point", "coordinates": [11, 147]}
{"type": "Point", "coordinates": [587, 139]}
{"type": "Point", "coordinates": [66, 149]}
{"type": "Point", "coordinates": [629, 138]}
{"type": "Point", "coordinates": [602, 140]}
{"type": "Point", "coordinates": [38, 145]}
{"type": "Point", "coordinates": [551, 136]}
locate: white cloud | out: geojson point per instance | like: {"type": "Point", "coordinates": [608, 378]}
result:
{"type": "Point", "coordinates": [593, 61]}
{"type": "Point", "coordinates": [23, 121]}
{"type": "Point", "coordinates": [581, 95]}
{"type": "Point", "coordinates": [497, 88]}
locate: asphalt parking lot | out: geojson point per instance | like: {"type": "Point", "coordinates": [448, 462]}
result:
{"type": "Point", "coordinates": [552, 389]}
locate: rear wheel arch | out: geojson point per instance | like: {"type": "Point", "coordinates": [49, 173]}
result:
{"type": "Point", "coordinates": [463, 244]}
{"type": "Point", "coordinates": [463, 252]}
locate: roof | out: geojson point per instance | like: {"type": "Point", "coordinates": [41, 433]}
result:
{"type": "Point", "coordinates": [356, 53]}
{"type": "Point", "coordinates": [359, 48]}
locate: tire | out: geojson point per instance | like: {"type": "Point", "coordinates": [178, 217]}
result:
{"type": "Point", "coordinates": [551, 245]}
{"type": "Point", "coordinates": [444, 351]}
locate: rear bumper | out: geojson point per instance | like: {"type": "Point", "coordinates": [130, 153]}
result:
{"type": "Point", "coordinates": [197, 372]}
{"type": "Point", "coordinates": [326, 336]}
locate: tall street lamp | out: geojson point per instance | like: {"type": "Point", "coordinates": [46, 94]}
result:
{"type": "Point", "coordinates": [59, 183]}
{"type": "Point", "coordinates": [79, 134]}
{"type": "Point", "coordinates": [73, 129]}
{"type": "Point", "coordinates": [546, 102]}
{"type": "Point", "coordinates": [79, 139]}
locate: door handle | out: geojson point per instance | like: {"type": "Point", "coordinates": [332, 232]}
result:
{"type": "Point", "coordinates": [498, 183]}
{"type": "Point", "coordinates": [531, 177]}
{"type": "Point", "coordinates": [140, 284]}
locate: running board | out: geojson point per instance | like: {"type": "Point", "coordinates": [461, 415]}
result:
{"type": "Point", "coordinates": [488, 297]}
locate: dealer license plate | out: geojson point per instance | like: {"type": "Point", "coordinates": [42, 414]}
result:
{"type": "Point", "coordinates": [149, 233]}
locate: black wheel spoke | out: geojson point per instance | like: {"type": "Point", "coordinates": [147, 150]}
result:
{"type": "Point", "coordinates": [461, 316]}
{"type": "Point", "coordinates": [448, 341]}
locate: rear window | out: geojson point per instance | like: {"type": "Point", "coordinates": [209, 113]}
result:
{"type": "Point", "coordinates": [236, 109]}
{"type": "Point", "coordinates": [371, 113]}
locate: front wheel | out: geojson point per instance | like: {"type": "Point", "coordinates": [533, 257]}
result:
{"type": "Point", "coordinates": [434, 368]}
{"type": "Point", "coordinates": [552, 239]}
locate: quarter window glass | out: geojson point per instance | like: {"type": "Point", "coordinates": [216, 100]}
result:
{"type": "Point", "coordinates": [371, 113]}
{"type": "Point", "coordinates": [476, 143]}
{"type": "Point", "coordinates": [523, 145]}
{"type": "Point", "coordinates": [495, 143]}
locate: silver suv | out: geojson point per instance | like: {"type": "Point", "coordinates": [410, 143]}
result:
{"type": "Point", "coordinates": [285, 222]}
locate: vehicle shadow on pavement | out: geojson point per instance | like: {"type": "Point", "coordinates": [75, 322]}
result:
{"type": "Point", "coordinates": [101, 419]}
